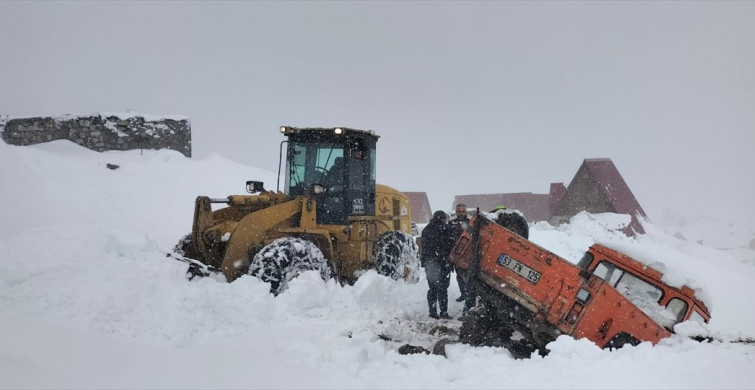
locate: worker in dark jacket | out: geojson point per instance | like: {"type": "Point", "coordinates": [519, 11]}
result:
{"type": "Point", "coordinates": [437, 241]}
{"type": "Point", "coordinates": [459, 223]}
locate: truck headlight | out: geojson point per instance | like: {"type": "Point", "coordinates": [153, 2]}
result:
{"type": "Point", "coordinates": [583, 295]}
{"type": "Point", "coordinates": [338, 130]}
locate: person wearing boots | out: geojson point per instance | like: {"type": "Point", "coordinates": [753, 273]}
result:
{"type": "Point", "coordinates": [437, 242]}
{"type": "Point", "coordinates": [459, 223]}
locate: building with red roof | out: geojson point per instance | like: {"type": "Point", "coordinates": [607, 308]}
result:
{"type": "Point", "coordinates": [598, 187]}
{"type": "Point", "coordinates": [534, 206]}
{"type": "Point", "coordinates": [421, 211]}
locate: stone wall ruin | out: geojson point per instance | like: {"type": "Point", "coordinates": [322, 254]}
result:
{"type": "Point", "coordinates": [101, 132]}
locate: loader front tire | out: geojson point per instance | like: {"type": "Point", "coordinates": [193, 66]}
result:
{"type": "Point", "coordinates": [284, 259]}
{"type": "Point", "coordinates": [396, 256]}
{"type": "Point", "coordinates": [185, 248]}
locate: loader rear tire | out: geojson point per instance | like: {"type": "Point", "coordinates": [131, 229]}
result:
{"type": "Point", "coordinates": [396, 256]}
{"type": "Point", "coordinates": [284, 259]}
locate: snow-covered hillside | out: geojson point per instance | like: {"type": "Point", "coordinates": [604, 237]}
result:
{"type": "Point", "coordinates": [89, 299]}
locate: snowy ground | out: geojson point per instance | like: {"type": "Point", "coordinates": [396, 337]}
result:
{"type": "Point", "coordinates": [89, 300]}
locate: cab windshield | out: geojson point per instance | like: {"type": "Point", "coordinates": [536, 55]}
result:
{"type": "Point", "coordinates": [310, 163]}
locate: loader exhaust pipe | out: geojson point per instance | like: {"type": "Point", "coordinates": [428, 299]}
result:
{"type": "Point", "coordinates": [280, 164]}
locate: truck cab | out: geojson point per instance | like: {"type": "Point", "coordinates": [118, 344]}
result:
{"type": "Point", "coordinates": [644, 286]}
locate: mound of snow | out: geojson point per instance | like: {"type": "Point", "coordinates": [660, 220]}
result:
{"type": "Point", "coordinates": [88, 298]}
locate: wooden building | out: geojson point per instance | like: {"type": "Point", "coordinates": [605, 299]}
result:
{"type": "Point", "coordinates": [599, 188]}
{"type": "Point", "coordinates": [421, 211]}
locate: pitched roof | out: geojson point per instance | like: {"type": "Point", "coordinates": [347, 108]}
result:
{"type": "Point", "coordinates": [614, 187]}
{"type": "Point", "coordinates": [599, 187]}
{"type": "Point", "coordinates": [421, 211]}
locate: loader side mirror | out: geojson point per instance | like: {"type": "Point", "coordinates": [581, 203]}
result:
{"type": "Point", "coordinates": [254, 187]}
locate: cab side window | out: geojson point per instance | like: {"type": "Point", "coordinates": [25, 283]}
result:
{"type": "Point", "coordinates": [632, 287]}
{"type": "Point", "coordinates": [678, 308]}
{"type": "Point", "coordinates": [697, 317]}
{"type": "Point", "coordinates": [635, 288]}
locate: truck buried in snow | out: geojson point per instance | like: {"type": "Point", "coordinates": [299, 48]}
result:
{"type": "Point", "coordinates": [609, 298]}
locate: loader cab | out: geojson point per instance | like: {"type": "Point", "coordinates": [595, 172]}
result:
{"type": "Point", "coordinates": [336, 166]}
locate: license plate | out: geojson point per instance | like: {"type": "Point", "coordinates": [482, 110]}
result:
{"type": "Point", "coordinates": [521, 269]}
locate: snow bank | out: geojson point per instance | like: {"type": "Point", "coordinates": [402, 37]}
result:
{"type": "Point", "coordinates": [88, 298]}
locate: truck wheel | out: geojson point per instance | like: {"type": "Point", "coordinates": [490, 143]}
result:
{"type": "Point", "coordinates": [284, 259]}
{"type": "Point", "coordinates": [477, 323]}
{"type": "Point", "coordinates": [186, 248]}
{"type": "Point", "coordinates": [621, 339]}
{"type": "Point", "coordinates": [514, 222]}
{"type": "Point", "coordinates": [396, 256]}
{"type": "Point", "coordinates": [482, 327]}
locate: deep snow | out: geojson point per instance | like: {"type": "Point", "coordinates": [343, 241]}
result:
{"type": "Point", "coordinates": [89, 299]}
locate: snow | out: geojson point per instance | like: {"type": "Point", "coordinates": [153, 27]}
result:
{"type": "Point", "coordinates": [88, 298]}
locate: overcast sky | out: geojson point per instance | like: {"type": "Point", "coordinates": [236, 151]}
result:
{"type": "Point", "coordinates": [468, 97]}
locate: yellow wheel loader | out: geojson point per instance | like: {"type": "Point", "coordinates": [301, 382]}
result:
{"type": "Point", "coordinates": [331, 217]}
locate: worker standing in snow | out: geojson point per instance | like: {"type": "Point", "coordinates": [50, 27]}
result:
{"type": "Point", "coordinates": [437, 241]}
{"type": "Point", "coordinates": [459, 223]}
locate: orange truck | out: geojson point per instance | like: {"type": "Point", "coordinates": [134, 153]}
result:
{"type": "Point", "coordinates": [608, 297]}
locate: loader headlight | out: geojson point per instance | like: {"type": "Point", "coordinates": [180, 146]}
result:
{"type": "Point", "coordinates": [338, 130]}
{"type": "Point", "coordinates": [284, 129]}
